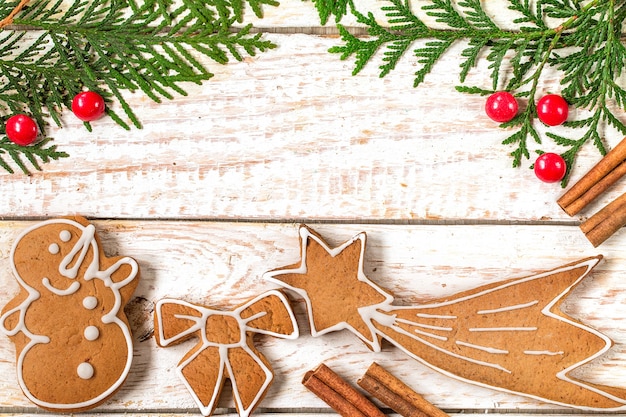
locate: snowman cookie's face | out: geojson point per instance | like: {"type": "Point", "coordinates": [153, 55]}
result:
{"type": "Point", "coordinates": [50, 258]}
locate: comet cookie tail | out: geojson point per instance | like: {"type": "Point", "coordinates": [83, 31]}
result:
{"type": "Point", "coordinates": [504, 335]}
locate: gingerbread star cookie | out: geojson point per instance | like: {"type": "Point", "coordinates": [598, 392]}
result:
{"type": "Point", "coordinates": [337, 293]}
{"type": "Point", "coordinates": [510, 335]}
{"type": "Point", "coordinates": [73, 343]}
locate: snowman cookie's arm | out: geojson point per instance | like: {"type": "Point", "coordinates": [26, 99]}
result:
{"type": "Point", "coordinates": [12, 320]}
{"type": "Point", "coordinates": [123, 274]}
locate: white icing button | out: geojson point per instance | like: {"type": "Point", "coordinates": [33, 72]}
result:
{"type": "Point", "coordinates": [91, 333]}
{"type": "Point", "coordinates": [53, 248]}
{"type": "Point", "coordinates": [65, 235]}
{"type": "Point", "coordinates": [90, 302]}
{"type": "Point", "coordinates": [85, 371]}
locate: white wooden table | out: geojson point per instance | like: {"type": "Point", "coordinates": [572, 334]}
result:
{"type": "Point", "coordinates": [209, 194]}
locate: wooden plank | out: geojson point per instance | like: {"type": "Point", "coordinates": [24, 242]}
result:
{"type": "Point", "coordinates": [221, 264]}
{"type": "Point", "coordinates": [290, 134]}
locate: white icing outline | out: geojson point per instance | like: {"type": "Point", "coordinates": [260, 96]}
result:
{"type": "Point", "coordinates": [200, 326]}
{"type": "Point", "coordinates": [367, 313]}
{"type": "Point", "coordinates": [509, 308]}
{"type": "Point", "coordinates": [439, 348]}
{"type": "Point", "coordinates": [436, 316]}
{"type": "Point", "coordinates": [385, 319]}
{"type": "Point", "coordinates": [87, 240]}
{"type": "Point", "coordinates": [543, 352]}
{"type": "Point", "coordinates": [394, 320]}
{"type": "Point", "coordinates": [483, 348]}
{"type": "Point", "coordinates": [589, 264]}
{"type": "Point", "coordinates": [502, 329]}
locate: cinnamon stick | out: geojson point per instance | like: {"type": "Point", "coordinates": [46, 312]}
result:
{"type": "Point", "coordinates": [604, 174]}
{"type": "Point", "coordinates": [397, 395]}
{"type": "Point", "coordinates": [338, 394]}
{"type": "Point", "coordinates": [607, 221]}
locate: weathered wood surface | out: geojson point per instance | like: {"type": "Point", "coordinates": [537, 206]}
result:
{"type": "Point", "coordinates": [221, 264]}
{"type": "Point", "coordinates": [291, 134]}
{"type": "Point", "coordinates": [207, 197]}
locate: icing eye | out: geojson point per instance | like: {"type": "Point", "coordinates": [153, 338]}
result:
{"type": "Point", "coordinates": [53, 248]}
{"type": "Point", "coordinates": [85, 371]}
{"type": "Point", "coordinates": [90, 302]}
{"type": "Point", "coordinates": [65, 235]}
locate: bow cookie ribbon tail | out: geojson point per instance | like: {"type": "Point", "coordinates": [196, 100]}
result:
{"type": "Point", "coordinates": [270, 313]}
{"type": "Point", "coordinates": [225, 348]}
{"type": "Point", "coordinates": [205, 372]}
{"type": "Point", "coordinates": [176, 321]}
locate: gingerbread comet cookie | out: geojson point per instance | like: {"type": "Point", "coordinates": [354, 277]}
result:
{"type": "Point", "coordinates": [73, 343]}
{"type": "Point", "coordinates": [224, 347]}
{"type": "Point", "coordinates": [510, 335]}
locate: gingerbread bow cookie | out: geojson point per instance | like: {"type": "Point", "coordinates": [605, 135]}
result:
{"type": "Point", "coordinates": [73, 344]}
{"type": "Point", "coordinates": [225, 348]}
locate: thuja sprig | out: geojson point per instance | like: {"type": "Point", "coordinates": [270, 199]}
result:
{"type": "Point", "coordinates": [42, 151]}
{"type": "Point", "coordinates": [53, 50]}
{"type": "Point", "coordinates": [584, 45]}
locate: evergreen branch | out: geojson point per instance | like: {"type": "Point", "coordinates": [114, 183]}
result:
{"type": "Point", "coordinates": [8, 20]}
{"type": "Point", "coordinates": [41, 151]}
{"type": "Point", "coordinates": [446, 13]}
{"type": "Point", "coordinates": [400, 17]}
{"type": "Point", "coordinates": [586, 47]}
{"type": "Point", "coordinates": [472, 90]}
{"type": "Point", "coordinates": [109, 46]}
{"type": "Point", "coordinates": [471, 53]}
{"type": "Point", "coordinates": [528, 15]}
{"type": "Point", "coordinates": [476, 16]}
{"type": "Point", "coordinates": [327, 8]}
{"type": "Point", "coordinates": [428, 55]}
{"type": "Point", "coordinates": [520, 138]}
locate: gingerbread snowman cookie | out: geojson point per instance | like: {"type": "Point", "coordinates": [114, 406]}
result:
{"type": "Point", "coordinates": [73, 343]}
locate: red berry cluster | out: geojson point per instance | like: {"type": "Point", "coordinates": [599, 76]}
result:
{"type": "Point", "coordinates": [23, 131]}
{"type": "Point", "coordinates": [552, 110]}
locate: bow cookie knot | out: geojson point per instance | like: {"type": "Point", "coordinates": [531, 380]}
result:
{"type": "Point", "coordinates": [224, 348]}
{"type": "Point", "coordinates": [224, 329]}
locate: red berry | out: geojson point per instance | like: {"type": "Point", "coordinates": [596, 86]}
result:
{"type": "Point", "coordinates": [21, 129]}
{"type": "Point", "coordinates": [501, 107]}
{"type": "Point", "coordinates": [550, 167]}
{"type": "Point", "coordinates": [88, 106]}
{"type": "Point", "coordinates": [552, 109]}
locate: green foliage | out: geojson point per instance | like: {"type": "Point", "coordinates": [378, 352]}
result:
{"type": "Point", "coordinates": [328, 8]}
{"type": "Point", "coordinates": [585, 46]}
{"type": "Point", "coordinates": [20, 155]}
{"type": "Point", "coordinates": [110, 46]}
